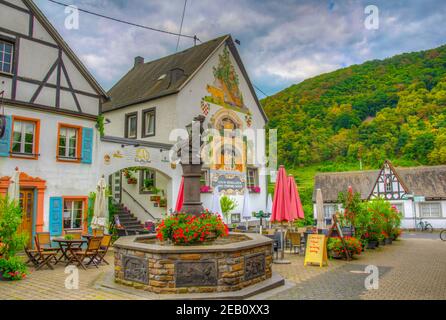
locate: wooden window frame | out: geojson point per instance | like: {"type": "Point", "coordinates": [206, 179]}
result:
{"type": "Point", "coordinates": [35, 155]}
{"type": "Point", "coordinates": [141, 181]}
{"type": "Point", "coordinates": [256, 178]}
{"type": "Point", "coordinates": [144, 123]}
{"type": "Point", "coordinates": [84, 200]}
{"type": "Point", "coordinates": [12, 42]}
{"type": "Point", "coordinates": [430, 203]}
{"type": "Point", "coordinates": [126, 125]}
{"type": "Point", "coordinates": [207, 181]}
{"type": "Point", "coordinates": [78, 144]}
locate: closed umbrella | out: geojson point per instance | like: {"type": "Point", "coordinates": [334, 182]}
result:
{"type": "Point", "coordinates": [281, 204]}
{"type": "Point", "coordinates": [99, 221]}
{"type": "Point", "coordinates": [246, 212]}
{"type": "Point", "coordinates": [296, 198]}
{"type": "Point", "coordinates": [14, 186]}
{"type": "Point", "coordinates": [216, 205]}
{"type": "Point", "coordinates": [320, 210]}
{"type": "Point", "coordinates": [180, 199]}
{"type": "Point", "coordinates": [269, 207]}
{"type": "Point", "coordinates": [293, 198]}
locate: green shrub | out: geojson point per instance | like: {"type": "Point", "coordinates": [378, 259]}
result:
{"type": "Point", "coordinates": [10, 221]}
{"type": "Point", "coordinates": [13, 268]}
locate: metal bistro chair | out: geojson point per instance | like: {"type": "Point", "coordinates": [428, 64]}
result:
{"type": "Point", "coordinates": [277, 246]}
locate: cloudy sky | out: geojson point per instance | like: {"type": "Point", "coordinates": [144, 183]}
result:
{"type": "Point", "coordinates": [282, 42]}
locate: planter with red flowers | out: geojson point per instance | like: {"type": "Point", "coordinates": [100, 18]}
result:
{"type": "Point", "coordinates": [255, 189]}
{"type": "Point", "coordinates": [186, 229]}
{"type": "Point", "coordinates": [336, 249]}
{"type": "Point", "coordinates": [205, 189]}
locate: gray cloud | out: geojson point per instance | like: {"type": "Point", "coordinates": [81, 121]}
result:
{"type": "Point", "coordinates": [283, 42]}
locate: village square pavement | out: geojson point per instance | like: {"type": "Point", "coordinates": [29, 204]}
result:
{"type": "Point", "coordinates": [411, 268]}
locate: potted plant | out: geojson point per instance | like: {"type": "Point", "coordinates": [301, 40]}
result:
{"type": "Point", "coordinates": [11, 266]}
{"type": "Point", "coordinates": [163, 203]}
{"type": "Point", "coordinates": [227, 205]}
{"type": "Point", "coordinates": [185, 229]}
{"type": "Point", "coordinates": [12, 269]}
{"type": "Point", "coordinates": [155, 198]}
{"type": "Point", "coordinates": [337, 250]}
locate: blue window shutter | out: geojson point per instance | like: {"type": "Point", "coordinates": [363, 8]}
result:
{"type": "Point", "coordinates": [56, 206]}
{"type": "Point", "coordinates": [5, 141]}
{"type": "Point", "coordinates": [87, 145]}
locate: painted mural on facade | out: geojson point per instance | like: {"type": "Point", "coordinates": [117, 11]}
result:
{"type": "Point", "coordinates": [225, 90]}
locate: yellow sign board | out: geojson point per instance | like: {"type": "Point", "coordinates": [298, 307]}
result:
{"type": "Point", "coordinates": [316, 251]}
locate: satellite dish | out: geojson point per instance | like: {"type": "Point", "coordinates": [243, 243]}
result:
{"type": "Point", "coordinates": [2, 125]}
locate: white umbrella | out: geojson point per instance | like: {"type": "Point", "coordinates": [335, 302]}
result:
{"type": "Point", "coordinates": [99, 220]}
{"type": "Point", "coordinates": [216, 205]}
{"type": "Point", "coordinates": [14, 186]}
{"type": "Point", "coordinates": [269, 207]}
{"type": "Point", "coordinates": [320, 210]}
{"type": "Point", "coordinates": [246, 211]}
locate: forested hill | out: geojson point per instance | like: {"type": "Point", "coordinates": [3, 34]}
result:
{"type": "Point", "coordinates": [393, 108]}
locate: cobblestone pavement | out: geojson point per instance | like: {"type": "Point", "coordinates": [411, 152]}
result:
{"type": "Point", "coordinates": [50, 285]}
{"type": "Point", "coordinates": [412, 268]}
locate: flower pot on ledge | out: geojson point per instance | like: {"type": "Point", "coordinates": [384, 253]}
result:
{"type": "Point", "coordinates": [132, 181]}
{"type": "Point", "coordinates": [155, 198]}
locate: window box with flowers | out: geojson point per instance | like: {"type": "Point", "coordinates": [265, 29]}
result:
{"type": "Point", "coordinates": [255, 189]}
{"type": "Point", "coordinates": [206, 189]}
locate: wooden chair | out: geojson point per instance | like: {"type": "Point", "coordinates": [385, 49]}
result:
{"type": "Point", "coordinates": [45, 254]}
{"type": "Point", "coordinates": [44, 239]}
{"type": "Point", "coordinates": [295, 241]}
{"type": "Point", "coordinates": [105, 245]}
{"type": "Point", "coordinates": [98, 233]}
{"type": "Point", "coordinates": [33, 256]}
{"type": "Point", "coordinates": [76, 235]}
{"type": "Point", "coordinates": [92, 251]}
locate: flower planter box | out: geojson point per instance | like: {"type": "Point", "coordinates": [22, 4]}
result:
{"type": "Point", "coordinates": [155, 198]}
{"type": "Point", "coordinates": [388, 241]}
{"type": "Point", "coordinates": [132, 181]}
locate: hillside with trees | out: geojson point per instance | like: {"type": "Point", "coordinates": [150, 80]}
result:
{"type": "Point", "coordinates": [382, 109]}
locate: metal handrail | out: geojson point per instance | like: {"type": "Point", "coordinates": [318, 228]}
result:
{"type": "Point", "coordinates": [139, 204]}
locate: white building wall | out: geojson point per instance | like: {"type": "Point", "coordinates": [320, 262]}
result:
{"type": "Point", "coordinates": [191, 96]}
{"type": "Point", "coordinates": [62, 179]}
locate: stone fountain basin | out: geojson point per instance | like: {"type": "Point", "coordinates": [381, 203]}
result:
{"type": "Point", "coordinates": [231, 264]}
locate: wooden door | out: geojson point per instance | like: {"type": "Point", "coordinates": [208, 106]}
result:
{"type": "Point", "coordinates": [27, 205]}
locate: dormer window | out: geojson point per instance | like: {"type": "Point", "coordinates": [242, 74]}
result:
{"type": "Point", "coordinates": [6, 56]}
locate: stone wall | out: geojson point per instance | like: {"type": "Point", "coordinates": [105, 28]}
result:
{"type": "Point", "coordinates": [174, 273]}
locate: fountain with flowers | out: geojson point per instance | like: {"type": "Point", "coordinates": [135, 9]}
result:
{"type": "Point", "coordinates": [193, 252]}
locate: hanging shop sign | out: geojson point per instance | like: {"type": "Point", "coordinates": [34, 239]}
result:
{"type": "Point", "coordinates": [228, 182]}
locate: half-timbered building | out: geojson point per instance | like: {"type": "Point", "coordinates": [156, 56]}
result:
{"type": "Point", "coordinates": [49, 105]}
{"type": "Point", "coordinates": [418, 193]}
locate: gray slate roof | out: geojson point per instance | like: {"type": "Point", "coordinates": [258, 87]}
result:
{"type": "Point", "coordinates": [142, 82]}
{"type": "Point", "coordinates": [423, 181]}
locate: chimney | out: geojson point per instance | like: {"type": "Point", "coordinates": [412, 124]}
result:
{"type": "Point", "coordinates": [139, 61]}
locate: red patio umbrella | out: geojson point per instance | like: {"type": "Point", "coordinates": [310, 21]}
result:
{"type": "Point", "coordinates": [297, 211]}
{"type": "Point", "coordinates": [281, 202]}
{"type": "Point", "coordinates": [282, 205]}
{"type": "Point", "coordinates": [180, 199]}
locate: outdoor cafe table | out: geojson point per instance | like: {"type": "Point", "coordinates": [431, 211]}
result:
{"type": "Point", "coordinates": [67, 247]}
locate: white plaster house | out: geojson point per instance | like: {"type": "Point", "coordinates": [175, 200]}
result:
{"type": "Point", "coordinates": [49, 107]}
{"type": "Point", "coordinates": [155, 98]}
{"type": "Point", "coordinates": [418, 193]}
